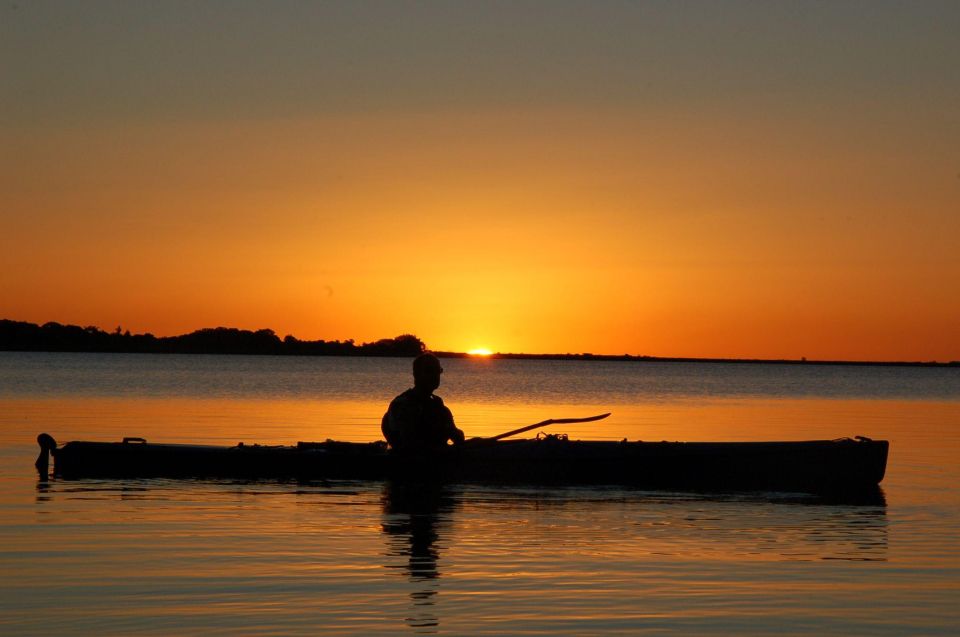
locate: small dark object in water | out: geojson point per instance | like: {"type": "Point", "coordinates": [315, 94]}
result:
{"type": "Point", "coordinates": [47, 446]}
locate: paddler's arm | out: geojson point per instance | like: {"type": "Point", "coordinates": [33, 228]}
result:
{"type": "Point", "coordinates": [453, 433]}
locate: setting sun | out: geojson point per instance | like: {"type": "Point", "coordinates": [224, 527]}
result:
{"type": "Point", "coordinates": [480, 351]}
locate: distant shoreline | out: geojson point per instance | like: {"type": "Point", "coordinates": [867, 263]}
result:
{"type": "Point", "coordinates": [679, 359]}
{"type": "Point", "coordinates": [20, 336]}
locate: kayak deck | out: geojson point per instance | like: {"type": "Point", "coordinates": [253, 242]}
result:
{"type": "Point", "coordinates": [808, 466]}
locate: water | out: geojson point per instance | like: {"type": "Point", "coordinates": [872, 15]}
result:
{"type": "Point", "coordinates": [468, 380]}
{"type": "Point", "coordinates": [219, 557]}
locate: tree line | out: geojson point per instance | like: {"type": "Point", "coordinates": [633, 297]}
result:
{"type": "Point", "coordinates": [54, 337]}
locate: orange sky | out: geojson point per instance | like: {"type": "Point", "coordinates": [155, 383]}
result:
{"type": "Point", "coordinates": [781, 182]}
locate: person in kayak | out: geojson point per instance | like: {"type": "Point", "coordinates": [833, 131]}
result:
{"type": "Point", "coordinates": [417, 420]}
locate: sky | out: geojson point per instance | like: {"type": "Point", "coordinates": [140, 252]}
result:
{"type": "Point", "coordinates": [708, 179]}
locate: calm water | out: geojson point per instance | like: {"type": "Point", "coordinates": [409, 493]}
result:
{"type": "Point", "coordinates": [179, 557]}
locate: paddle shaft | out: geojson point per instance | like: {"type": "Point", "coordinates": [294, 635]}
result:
{"type": "Point", "coordinates": [551, 421]}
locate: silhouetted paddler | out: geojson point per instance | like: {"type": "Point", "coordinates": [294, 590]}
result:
{"type": "Point", "coordinates": [417, 420]}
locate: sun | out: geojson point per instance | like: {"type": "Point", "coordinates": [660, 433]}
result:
{"type": "Point", "coordinates": [479, 351]}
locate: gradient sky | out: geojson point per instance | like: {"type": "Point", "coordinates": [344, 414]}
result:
{"type": "Point", "coordinates": [745, 179]}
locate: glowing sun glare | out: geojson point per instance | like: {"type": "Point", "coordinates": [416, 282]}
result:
{"type": "Point", "coordinates": [480, 351]}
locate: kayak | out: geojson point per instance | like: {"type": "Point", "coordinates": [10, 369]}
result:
{"type": "Point", "coordinates": [814, 466]}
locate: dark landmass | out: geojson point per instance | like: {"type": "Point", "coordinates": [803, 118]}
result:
{"type": "Point", "coordinates": [54, 337]}
{"type": "Point", "coordinates": [672, 359]}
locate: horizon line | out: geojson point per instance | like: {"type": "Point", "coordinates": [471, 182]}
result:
{"type": "Point", "coordinates": [589, 356]}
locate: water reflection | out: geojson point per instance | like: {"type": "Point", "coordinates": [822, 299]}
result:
{"type": "Point", "coordinates": [605, 538]}
{"type": "Point", "coordinates": [772, 526]}
{"type": "Point", "coordinates": [43, 490]}
{"type": "Point", "coordinates": [415, 518]}
{"type": "Point", "coordinates": [317, 553]}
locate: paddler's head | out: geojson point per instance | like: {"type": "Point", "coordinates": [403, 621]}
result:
{"type": "Point", "coordinates": [426, 372]}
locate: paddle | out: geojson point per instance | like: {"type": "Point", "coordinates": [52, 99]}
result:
{"type": "Point", "coordinates": [551, 421]}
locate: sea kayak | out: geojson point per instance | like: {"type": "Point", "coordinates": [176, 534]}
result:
{"type": "Point", "coordinates": [805, 466]}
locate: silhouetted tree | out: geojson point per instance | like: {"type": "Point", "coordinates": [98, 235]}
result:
{"type": "Point", "coordinates": [403, 345]}
{"type": "Point", "coordinates": [52, 336]}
